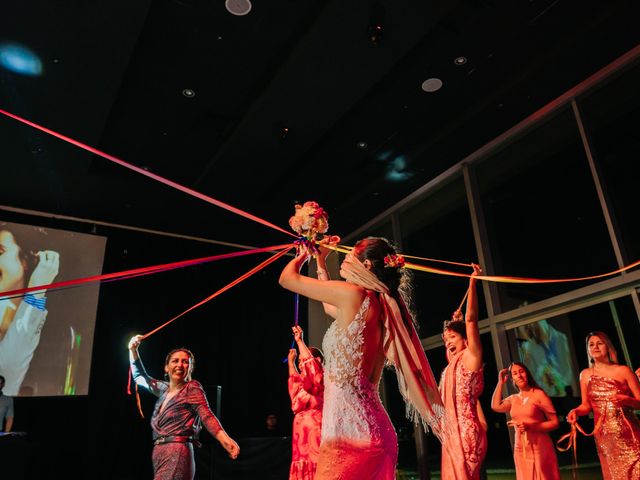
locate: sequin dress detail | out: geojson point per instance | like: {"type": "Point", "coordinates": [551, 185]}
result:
{"type": "Point", "coordinates": [465, 446]}
{"type": "Point", "coordinates": [183, 415]}
{"type": "Point", "coordinates": [617, 430]}
{"type": "Point", "coordinates": [358, 439]}
{"type": "Point", "coordinates": [306, 391]}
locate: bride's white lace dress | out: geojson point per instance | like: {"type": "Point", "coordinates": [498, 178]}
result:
{"type": "Point", "coordinates": [358, 439]}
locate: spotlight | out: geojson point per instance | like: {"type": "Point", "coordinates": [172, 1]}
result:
{"type": "Point", "coordinates": [238, 7]}
{"type": "Point", "coordinates": [284, 132]}
{"type": "Point", "coordinates": [460, 61]}
{"type": "Point", "coordinates": [432, 85]}
{"type": "Point", "coordinates": [189, 93]}
{"type": "Point", "coordinates": [362, 145]}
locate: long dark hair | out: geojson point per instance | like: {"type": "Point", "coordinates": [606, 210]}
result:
{"type": "Point", "coordinates": [397, 279]}
{"type": "Point", "coordinates": [191, 357]}
{"type": "Point", "coordinates": [29, 241]}
{"type": "Point", "coordinates": [530, 380]}
{"type": "Point", "coordinates": [457, 326]}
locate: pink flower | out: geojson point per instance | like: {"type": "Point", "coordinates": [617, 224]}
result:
{"type": "Point", "coordinates": [394, 261]}
{"type": "Point", "coordinates": [309, 220]}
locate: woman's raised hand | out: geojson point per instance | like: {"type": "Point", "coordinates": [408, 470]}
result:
{"type": "Point", "coordinates": [572, 416]}
{"type": "Point", "coordinates": [291, 357]}
{"type": "Point", "coordinates": [476, 269]}
{"type": "Point", "coordinates": [46, 270]}
{"type": "Point", "coordinates": [331, 241]}
{"type": "Point", "coordinates": [503, 375]}
{"type": "Point", "coordinates": [134, 343]}
{"type": "Point", "coordinates": [297, 333]}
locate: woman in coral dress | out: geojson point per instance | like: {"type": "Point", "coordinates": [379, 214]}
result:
{"type": "Point", "coordinates": [532, 415]}
{"type": "Point", "coordinates": [372, 324]}
{"type": "Point", "coordinates": [462, 382]}
{"type": "Point", "coordinates": [612, 392]}
{"type": "Point", "coordinates": [306, 390]}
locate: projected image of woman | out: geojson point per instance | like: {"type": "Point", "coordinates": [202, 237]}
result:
{"type": "Point", "coordinates": [22, 318]}
{"type": "Point", "coordinates": [180, 412]}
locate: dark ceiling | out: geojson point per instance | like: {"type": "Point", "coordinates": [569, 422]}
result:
{"type": "Point", "coordinates": [114, 74]}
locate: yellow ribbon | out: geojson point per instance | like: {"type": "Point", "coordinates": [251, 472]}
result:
{"type": "Point", "coordinates": [491, 278]}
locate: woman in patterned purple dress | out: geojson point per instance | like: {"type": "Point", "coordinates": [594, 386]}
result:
{"type": "Point", "coordinates": [179, 414]}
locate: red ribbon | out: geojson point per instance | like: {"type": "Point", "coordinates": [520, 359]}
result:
{"type": "Point", "coordinates": [246, 275]}
{"type": "Point", "coordinates": [146, 173]}
{"type": "Point", "coordinates": [137, 272]}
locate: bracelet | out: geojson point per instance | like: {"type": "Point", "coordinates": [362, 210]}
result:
{"type": "Point", "coordinates": [39, 303]}
{"type": "Point", "coordinates": [320, 271]}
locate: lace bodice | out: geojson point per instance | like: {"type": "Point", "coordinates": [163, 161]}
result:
{"type": "Point", "coordinates": [352, 408]}
{"type": "Point", "coordinates": [343, 347]}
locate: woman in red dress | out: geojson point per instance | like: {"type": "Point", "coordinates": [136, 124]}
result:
{"type": "Point", "coordinates": [306, 391]}
{"type": "Point", "coordinates": [465, 445]}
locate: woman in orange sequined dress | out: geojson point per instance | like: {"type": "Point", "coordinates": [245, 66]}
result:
{"type": "Point", "coordinates": [306, 390]}
{"type": "Point", "coordinates": [612, 391]}
{"type": "Point", "coordinates": [532, 415]}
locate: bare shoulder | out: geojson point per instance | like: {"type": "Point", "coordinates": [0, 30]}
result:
{"type": "Point", "coordinates": [585, 374]}
{"type": "Point", "coordinates": [623, 369]}
{"type": "Point", "coordinates": [623, 372]}
{"type": "Point", "coordinates": [541, 396]}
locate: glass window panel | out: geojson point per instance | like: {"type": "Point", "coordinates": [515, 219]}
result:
{"type": "Point", "coordinates": [439, 226]}
{"type": "Point", "coordinates": [543, 215]}
{"type": "Point", "coordinates": [612, 116]}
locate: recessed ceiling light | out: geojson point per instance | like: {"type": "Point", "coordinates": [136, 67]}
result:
{"type": "Point", "coordinates": [362, 145]}
{"type": "Point", "coordinates": [189, 93]}
{"type": "Point", "coordinates": [238, 7]}
{"type": "Point", "coordinates": [460, 60]}
{"type": "Point", "coordinates": [432, 85]}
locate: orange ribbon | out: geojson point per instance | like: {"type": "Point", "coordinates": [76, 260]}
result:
{"type": "Point", "coordinates": [572, 444]}
{"type": "Point", "coordinates": [492, 278]}
{"type": "Point", "coordinates": [246, 275]}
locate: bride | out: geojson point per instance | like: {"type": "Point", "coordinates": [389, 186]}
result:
{"type": "Point", "coordinates": [372, 327]}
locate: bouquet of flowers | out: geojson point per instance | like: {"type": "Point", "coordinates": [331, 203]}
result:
{"type": "Point", "coordinates": [309, 220]}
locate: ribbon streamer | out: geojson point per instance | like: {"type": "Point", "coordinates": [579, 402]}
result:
{"type": "Point", "coordinates": [202, 302]}
{"type": "Point", "coordinates": [223, 289]}
{"type": "Point", "coordinates": [146, 173]}
{"type": "Point", "coordinates": [137, 272]}
{"type": "Point", "coordinates": [572, 444]}
{"type": "Point", "coordinates": [495, 278]}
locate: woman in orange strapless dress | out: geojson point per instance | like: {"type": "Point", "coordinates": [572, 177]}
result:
{"type": "Point", "coordinates": [532, 415]}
